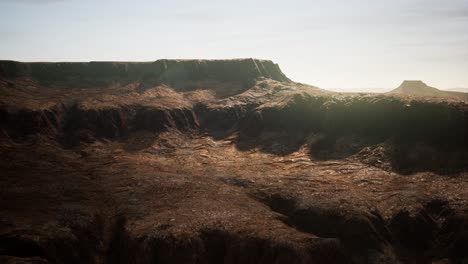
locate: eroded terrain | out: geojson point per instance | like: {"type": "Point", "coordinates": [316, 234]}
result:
{"type": "Point", "coordinates": [184, 166]}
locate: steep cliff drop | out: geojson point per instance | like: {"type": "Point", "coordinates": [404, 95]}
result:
{"type": "Point", "coordinates": [225, 161]}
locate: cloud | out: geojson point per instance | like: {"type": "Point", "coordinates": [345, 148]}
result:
{"type": "Point", "coordinates": [441, 9]}
{"type": "Point", "coordinates": [197, 17]}
{"type": "Point", "coordinates": [35, 2]}
{"type": "Point", "coordinates": [462, 12]}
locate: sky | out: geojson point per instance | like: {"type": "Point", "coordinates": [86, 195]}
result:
{"type": "Point", "coordinates": [347, 45]}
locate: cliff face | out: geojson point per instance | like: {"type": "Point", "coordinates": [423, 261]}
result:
{"type": "Point", "coordinates": [178, 73]}
{"type": "Point", "coordinates": [73, 100]}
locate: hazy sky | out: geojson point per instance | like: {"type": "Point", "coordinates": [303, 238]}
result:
{"type": "Point", "coordinates": [329, 43]}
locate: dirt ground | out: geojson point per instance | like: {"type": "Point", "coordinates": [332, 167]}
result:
{"type": "Point", "coordinates": [177, 188]}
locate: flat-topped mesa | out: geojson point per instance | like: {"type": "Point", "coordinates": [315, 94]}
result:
{"type": "Point", "coordinates": [173, 72]}
{"type": "Point", "coordinates": [411, 84]}
{"type": "Point", "coordinates": [415, 87]}
{"type": "Point", "coordinates": [420, 89]}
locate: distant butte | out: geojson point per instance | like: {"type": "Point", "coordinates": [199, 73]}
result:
{"type": "Point", "coordinates": [419, 88]}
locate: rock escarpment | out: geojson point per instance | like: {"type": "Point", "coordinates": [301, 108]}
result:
{"type": "Point", "coordinates": [181, 74]}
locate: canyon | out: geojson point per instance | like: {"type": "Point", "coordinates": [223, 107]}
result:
{"type": "Point", "coordinates": [225, 161]}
